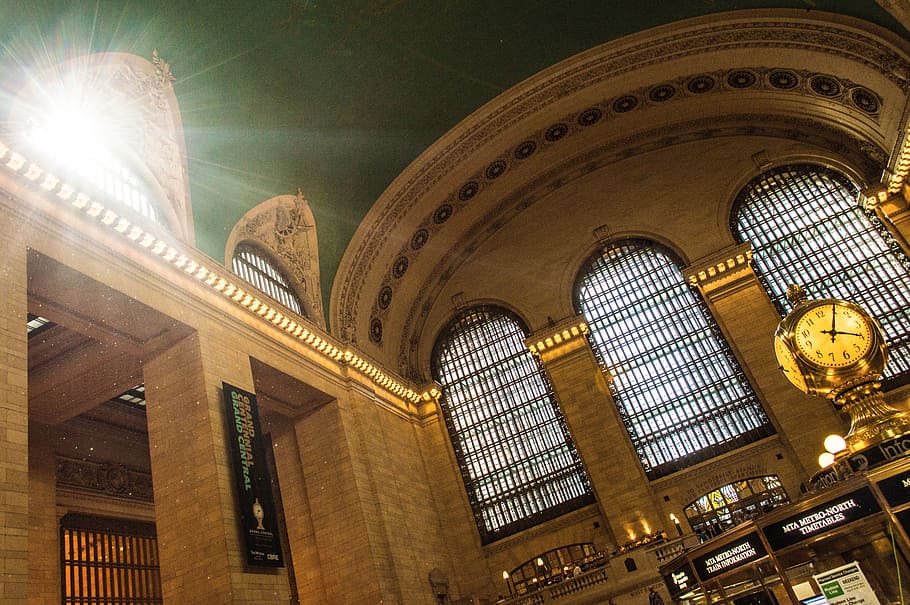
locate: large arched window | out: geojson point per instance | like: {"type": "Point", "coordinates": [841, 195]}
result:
{"type": "Point", "coordinates": [729, 505]}
{"type": "Point", "coordinates": [680, 391]}
{"type": "Point", "coordinates": [516, 456]}
{"type": "Point", "coordinates": [256, 267]}
{"type": "Point", "coordinates": [806, 228]}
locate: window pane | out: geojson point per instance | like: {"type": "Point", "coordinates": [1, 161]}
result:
{"type": "Point", "coordinates": [806, 228]}
{"type": "Point", "coordinates": [518, 462]}
{"type": "Point", "coordinates": [255, 267]}
{"type": "Point", "coordinates": [678, 387]}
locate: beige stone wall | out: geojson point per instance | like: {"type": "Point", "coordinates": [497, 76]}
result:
{"type": "Point", "coordinates": [43, 533]}
{"type": "Point", "coordinates": [196, 508]}
{"type": "Point", "coordinates": [14, 497]}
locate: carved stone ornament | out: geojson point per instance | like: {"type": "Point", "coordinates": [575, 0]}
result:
{"type": "Point", "coordinates": [284, 227]}
{"type": "Point", "coordinates": [108, 478]}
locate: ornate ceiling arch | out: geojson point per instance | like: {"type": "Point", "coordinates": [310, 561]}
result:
{"type": "Point", "coordinates": [778, 81]}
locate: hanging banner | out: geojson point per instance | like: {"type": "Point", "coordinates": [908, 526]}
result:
{"type": "Point", "coordinates": [846, 584]}
{"type": "Point", "coordinates": [257, 511]}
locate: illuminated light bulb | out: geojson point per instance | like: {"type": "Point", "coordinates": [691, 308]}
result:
{"type": "Point", "coordinates": [147, 240]}
{"type": "Point", "coordinates": [81, 200]}
{"type": "Point", "coordinates": [566, 335]}
{"type": "Point", "coordinates": [348, 356]}
{"type": "Point", "coordinates": [247, 300]}
{"type": "Point", "coordinates": [65, 191]}
{"type": "Point", "coordinates": [159, 247]}
{"type": "Point", "coordinates": [191, 267]}
{"type": "Point", "coordinates": [835, 444]}
{"type": "Point", "coordinates": [122, 225]}
{"type": "Point", "coordinates": [269, 314]}
{"type": "Point", "coordinates": [540, 345]}
{"type": "Point", "coordinates": [16, 161]}
{"type": "Point", "coordinates": [284, 323]}
{"type": "Point", "coordinates": [109, 217]}
{"type": "Point", "coordinates": [50, 181]}
{"type": "Point", "coordinates": [229, 291]}
{"type": "Point", "coordinates": [557, 338]}
{"type": "Point", "coordinates": [202, 273]}
{"type": "Point", "coordinates": [825, 459]}
{"type": "Point", "coordinates": [549, 342]}
{"type": "Point", "coordinates": [181, 261]}
{"type": "Point", "coordinates": [33, 172]}
{"type": "Point", "coordinates": [298, 331]}
{"type": "Point", "coordinates": [134, 233]}
{"type": "Point", "coordinates": [170, 254]}
{"type": "Point", "coordinates": [94, 209]}
{"type": "Point", "coordinates": [220, 285]}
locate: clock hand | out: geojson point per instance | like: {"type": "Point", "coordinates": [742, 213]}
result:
{"type": "Point", "coordinates": [850, 333]}
{"type": "Point", "coordinates": [833, 331]}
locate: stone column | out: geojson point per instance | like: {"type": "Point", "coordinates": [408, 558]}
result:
{"type": "Point", "coordinates": [616, 474]}
{"type": "Point", "coordinates": [301, 536]}
{"type": "Point", "coordinates": [199, 542]}
{"type": "Point", "coordinates": [748, 320]}
{"type": "Point", "coordinates": [14, 497]}
{"type": "Point", "coordinates": [43, 528]}
{"type": "Point", "coordinates": [352, 554]}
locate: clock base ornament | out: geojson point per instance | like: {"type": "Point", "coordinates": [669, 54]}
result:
{"type": "Point", "coordinates": [872, 419]}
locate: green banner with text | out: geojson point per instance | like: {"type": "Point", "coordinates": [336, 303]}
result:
{"type": "Point", "coordinates": [257, 510]}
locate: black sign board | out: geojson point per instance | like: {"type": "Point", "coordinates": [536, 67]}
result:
{"type": "Point", "coordinates": [680, 580]}
{"type": "Point", "coordinates": [730, 556]}
{"type": "Point", "coordinates": [823, 517]}
{"type": "Point", "coordinates": [880, 454]}
{"type": "Point", "coordinates": [257, 511]}
{"type": "Point", "coordinates": [896, 489]}
{"type": "Point", "coordinates": [903, 518]}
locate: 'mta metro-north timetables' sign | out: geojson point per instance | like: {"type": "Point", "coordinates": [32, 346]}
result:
{"type": "Point", "coordinates": [257, 511]}
{"type": "Point", "coordinates": [730, 556]}
{"type": "Point", "coordinates": [833, 513]}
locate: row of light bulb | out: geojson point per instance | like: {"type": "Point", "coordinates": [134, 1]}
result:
{"type": "Point", "coordinates": [834, 444]}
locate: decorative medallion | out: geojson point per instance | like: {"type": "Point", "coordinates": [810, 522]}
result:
{"type": "Point", "coordinates": [590, 116]}
{"type": "Point", "coordinates": [385, 297]}
{"type": "Point", "coordinates": [741, 78]}
{"type": "Point", "coordinates": [825, 86]}
{"type": "Point", "coordinates": [865, 99]}
{"type": "Point", "coordinates": [525, 150]}
{"type": "Point", "coordinates": [376, 330]}
{"type": "Point", "coordinates": [442, 214]}
{"type": "Point", "coordinates": [400, 267]}
{"type": "Point", "coordinates": [419, 238]}
{"type": "Point", "coordinates": [556, 132]}
{"type": "Point", "coordinates": [700, 84]}
{"type": "Point", "coordinates": [663, 92]}
{"type": "Point", "coordinates": [468, 190]}
{"type": "Point", "coordinates": [783, 79]}
{"type": "Point", "coordinates": [625, 103]}
{"type": "Point", "coordinates": [495, 170]}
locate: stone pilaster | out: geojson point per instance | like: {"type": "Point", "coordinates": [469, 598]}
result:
{"type": "Point", "coordinates": [201, 554]}
{"type": "Point", "coordinates": [613, 467]}
{"type": "Point", "coordinates": [43, 530]}
{"type": "Point", "coordinates": [14, 497]}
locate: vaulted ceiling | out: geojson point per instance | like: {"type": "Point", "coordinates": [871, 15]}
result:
{"type": "Point", "coordinates": [335, 97]}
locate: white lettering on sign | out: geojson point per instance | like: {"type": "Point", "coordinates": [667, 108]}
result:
{"type": "Point", "coordinates": [729, 557]}
{"type": "Point", "coordinates": [823, 518]}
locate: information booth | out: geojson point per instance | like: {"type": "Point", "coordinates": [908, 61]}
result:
{"type": "Point", "coordinates": [846, 545]}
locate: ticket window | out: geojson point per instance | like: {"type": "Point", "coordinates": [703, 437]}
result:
{"type": "Point", "coordinates": [869, 543]}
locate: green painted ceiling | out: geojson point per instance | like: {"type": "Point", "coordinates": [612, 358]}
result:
{"type": "Point", "coordinates": [335, 97]}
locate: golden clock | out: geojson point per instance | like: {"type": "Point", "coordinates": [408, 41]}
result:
{"type": "Point", "coordinates": [833, 334]}
{"type": "Point", "coordinates": [828, 345]}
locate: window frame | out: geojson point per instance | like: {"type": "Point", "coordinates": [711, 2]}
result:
{"type": "Point", "coordinates": [278, 286]}
{"type": "Point", "coordinates": [503, 498]}
{"type": "Point", "coordinates": [632, 402]}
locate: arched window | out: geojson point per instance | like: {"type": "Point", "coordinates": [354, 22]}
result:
{"type": "Point", "coordinates": [516, 456]}
{"type": "Point", "coordinates": [680, 391]}
{"type": "Point", "coordinates": [806, 228]}
{"type": "Point", "coordinates": [254, 266]}
{"type": "Point", "coordinates": [729, 505]}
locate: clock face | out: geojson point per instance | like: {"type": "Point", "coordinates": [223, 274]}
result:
{"type": "Point", "coordinates": [833, 335]}
{"type": "Point", "coordinates": [787, 365]}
